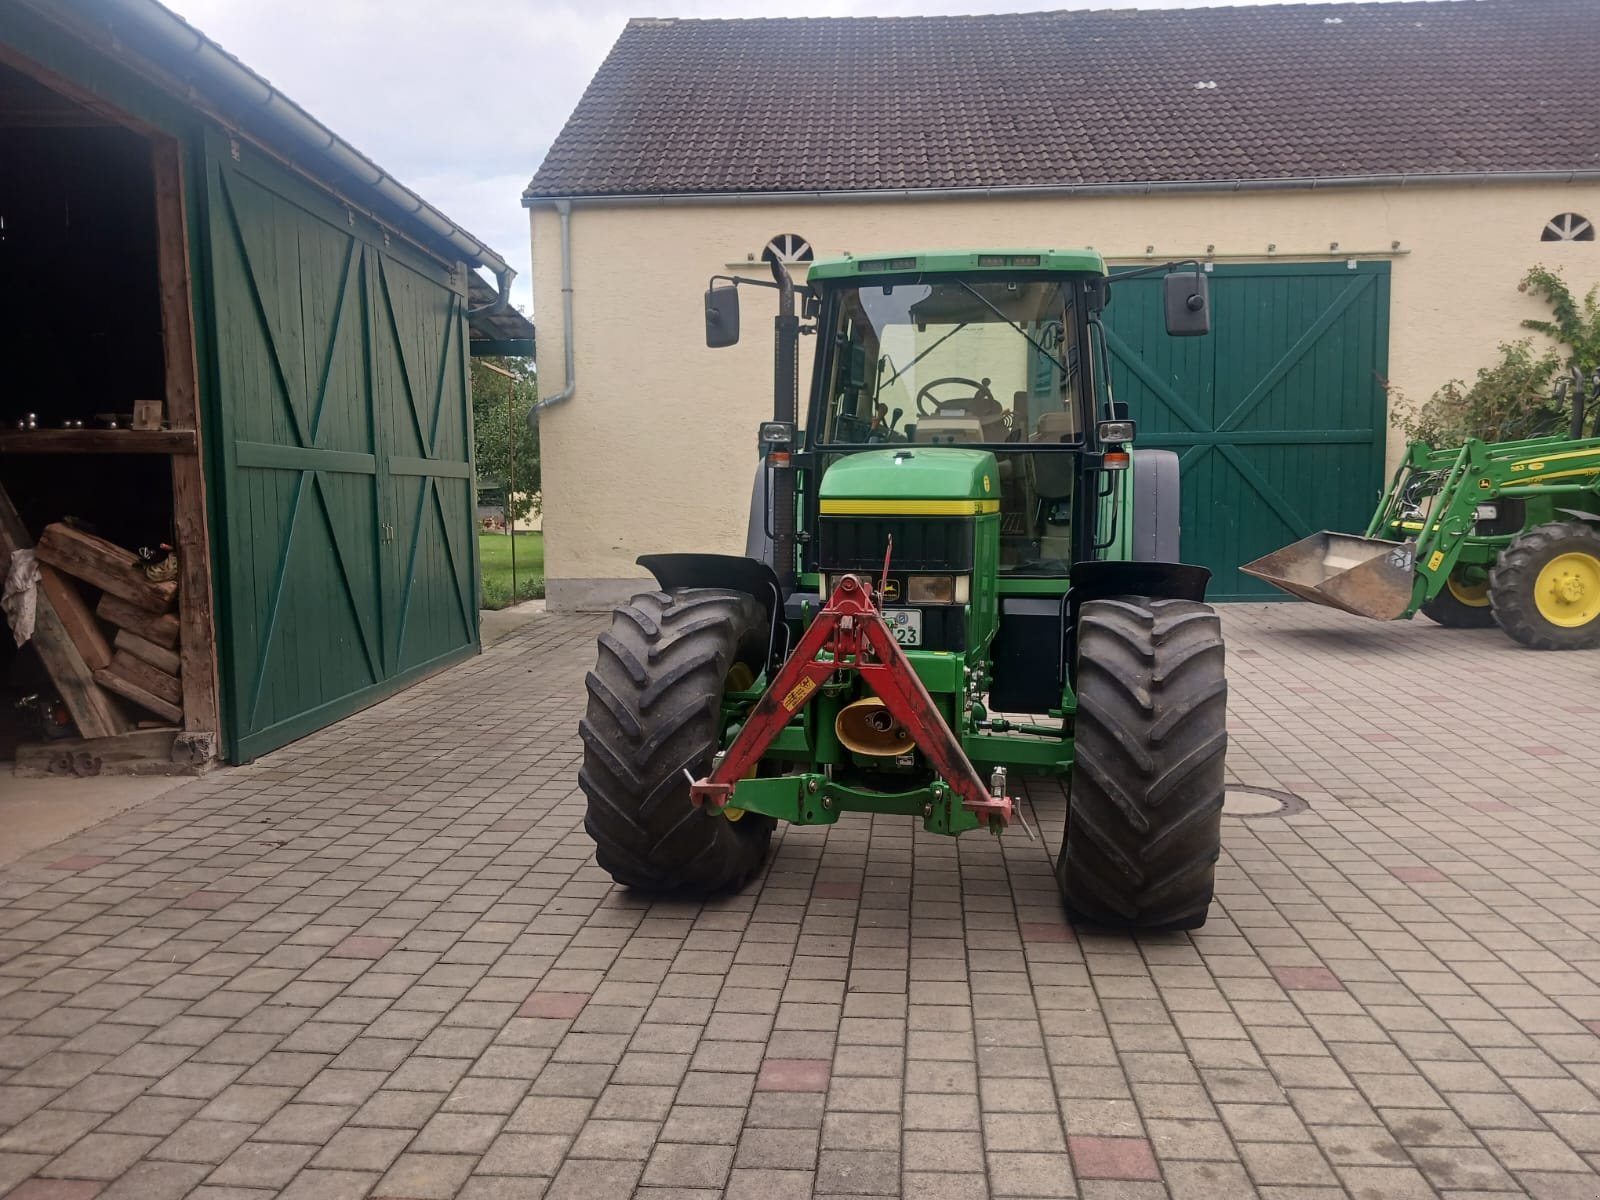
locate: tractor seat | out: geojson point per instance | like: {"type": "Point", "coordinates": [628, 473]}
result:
{"type": "Point", "coordinates": [1059, 426]}
{"type": "Point", "coordinates": [963, 421]}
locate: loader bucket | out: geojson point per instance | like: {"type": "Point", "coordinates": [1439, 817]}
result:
{"type": "Point", "coordinates": [1366, 576]}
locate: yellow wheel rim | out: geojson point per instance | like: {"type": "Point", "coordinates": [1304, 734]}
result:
{"type": "Point", "coordinates": [1473, 595]}
{"type": "Point", "coordinates": [1567, 592]}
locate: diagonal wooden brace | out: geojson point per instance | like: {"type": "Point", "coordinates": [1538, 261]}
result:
{"type": "Point", "coordinates": [853, 633]}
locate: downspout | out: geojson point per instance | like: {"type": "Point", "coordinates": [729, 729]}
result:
{"type": "Point", "coordinates": [502, 277]}
{"type": "Point", "coordinates": [568, 355]}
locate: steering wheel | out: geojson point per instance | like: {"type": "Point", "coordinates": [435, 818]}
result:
{"type": "Point", "coordinates": [929, 406]}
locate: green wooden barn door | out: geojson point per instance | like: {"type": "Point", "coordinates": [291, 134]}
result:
{"type": "Point", "coordinates": [1278, 416]}
{"type": "Point", "coordinates": [419, 368]}
{"type": "Point", "coordinates": [329, 594]}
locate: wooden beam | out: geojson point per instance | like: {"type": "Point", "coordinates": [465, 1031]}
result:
{"type": "Point", "coordinates": [74, 612]}
{"type": "Point", "coordinates": [153, 680]}
{"type": "Point", "coordinates": [158, 657]}
{"type": "Point", "coordinates": [106, 565]}
{"type": "Point", "coordinates": [130, 690]}
{"type": "Point", "coordinates": [97, 441]}
{"type": "Point", "coordinates": [160, 628]}
{"type": "Point", "coordinates": [122, 754]}
{"type": "Point", "coordinates": [94, 713]}
{"type": "Point", "coordinates": [197, 628]}
{"type": "Point", "coordinates": [72, 90]}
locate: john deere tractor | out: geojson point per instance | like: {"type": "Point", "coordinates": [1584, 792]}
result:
{"type": "Point", "coordinates": [1481, 534]}
{"type": "Point", "coordinates": [958, 571]}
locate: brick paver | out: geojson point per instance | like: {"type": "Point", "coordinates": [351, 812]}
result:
{"type": "Point", "coordinates": [382, 963]}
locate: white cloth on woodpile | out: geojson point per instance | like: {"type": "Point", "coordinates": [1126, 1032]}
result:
{"type": "Point", "coordinates": [20, 596]}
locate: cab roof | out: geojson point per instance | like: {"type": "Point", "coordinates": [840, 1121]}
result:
{"type": "Point", "coordinates": [848, 266]}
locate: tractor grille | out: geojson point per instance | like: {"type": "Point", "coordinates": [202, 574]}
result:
{"type": "Point", "coordinates": [921, 544]}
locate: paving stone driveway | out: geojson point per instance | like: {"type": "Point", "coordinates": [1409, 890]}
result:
{"type": "Point", "coordinates": [382, 963]}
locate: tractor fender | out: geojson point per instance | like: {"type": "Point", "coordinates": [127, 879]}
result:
{"type": "Point", "coordinates": [733, 572]}
{"type": "Point", "coordinates": [757, 542]}
{"type": "Point", "coordinates": [1156, 506]}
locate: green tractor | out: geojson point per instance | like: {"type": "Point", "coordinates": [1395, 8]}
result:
{"type": "Point", "coordinates": [958, 571]}
{"type": "Point", "coordinates": [1487, 533]}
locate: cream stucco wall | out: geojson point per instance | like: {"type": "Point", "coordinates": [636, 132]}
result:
{"type": "Point", "coordinates": [655, 451]}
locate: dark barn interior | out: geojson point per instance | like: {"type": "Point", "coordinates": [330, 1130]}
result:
{"type": "Point", "coordinates": [80, 335]}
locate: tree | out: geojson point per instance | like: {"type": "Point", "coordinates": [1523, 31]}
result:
{"type": "Point", "coordinates": [504, 391]}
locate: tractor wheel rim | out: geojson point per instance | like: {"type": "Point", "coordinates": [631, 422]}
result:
{"type": "Point", "coordinates": [1473, 595]}
{"type": "Point", "coordinates": [1567, 590]}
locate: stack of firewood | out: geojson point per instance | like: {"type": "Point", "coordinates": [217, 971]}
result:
{"type": "Point", "coordinates": [139, 661]}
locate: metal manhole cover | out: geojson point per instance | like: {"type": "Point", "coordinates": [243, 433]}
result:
{"type": "Point", "coordinates": [1260, 802]}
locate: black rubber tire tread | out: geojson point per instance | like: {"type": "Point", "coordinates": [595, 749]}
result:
{"type": "Point", "coordinates": [1512, 580]}
{"type": "Point", "coordinates": [1444, 609]}
{"type": "Point", "coordinates": [654, 702]}
{"type": "Point", "coordinates": [1144, 822]}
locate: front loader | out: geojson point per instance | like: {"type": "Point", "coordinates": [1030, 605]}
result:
{"type": "Point", "coordinates": [1486, 533]}
{"type": "Point", "coordinates": [958, 571]}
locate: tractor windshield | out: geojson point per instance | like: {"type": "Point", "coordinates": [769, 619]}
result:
{"type": "Point", "coordinates": [954, 362]}
{"type": "Point", "coordinates": [964, 361]}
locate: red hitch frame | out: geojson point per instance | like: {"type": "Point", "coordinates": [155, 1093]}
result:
{"type": "Point", "coordinates": [852, 631]}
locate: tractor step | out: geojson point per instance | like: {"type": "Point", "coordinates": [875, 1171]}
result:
{"type": "Point", "coordinates": [1369, 577]}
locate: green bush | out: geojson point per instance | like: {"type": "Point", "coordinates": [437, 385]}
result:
{"type": "Point", "coordinates": [1511, 398]}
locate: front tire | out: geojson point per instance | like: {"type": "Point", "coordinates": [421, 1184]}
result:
{"type": "Point", "coordinates": [1144, 819]}
{"type": "Point", "coordinates": [655, 700]}
{"type": "Point", "coordinates": [1545, 589]}
{"type": "Point", "coordinates": [1461, 605]}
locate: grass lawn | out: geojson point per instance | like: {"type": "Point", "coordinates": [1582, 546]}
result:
{"type": "Point", "coordinates": [494, 557]}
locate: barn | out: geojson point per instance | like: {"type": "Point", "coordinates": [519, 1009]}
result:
{"type": "Point", "coordinates": [230, 339]}
{"type": "Point", "coordinates": [1366, 183]}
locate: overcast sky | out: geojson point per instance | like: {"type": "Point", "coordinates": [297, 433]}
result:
{"type": "Point", "coordinates": [460, 99]}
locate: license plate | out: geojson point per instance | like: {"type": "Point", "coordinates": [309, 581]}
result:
{"type": "Point", "coordinates": [905, 624]}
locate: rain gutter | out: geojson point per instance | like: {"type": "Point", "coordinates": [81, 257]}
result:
{"type": "Point", "coordinates": [1147, 188]}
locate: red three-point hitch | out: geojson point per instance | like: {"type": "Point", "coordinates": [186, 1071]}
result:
{"type": "Point", "coordinates": [850, 629]}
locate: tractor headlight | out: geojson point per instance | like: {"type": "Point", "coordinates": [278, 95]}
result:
{"type": "Point", "coordinates": [932, 589]}
{"type": "Point", "coordinates": [1487, 512]}
{"type": "Point", "coordinates": [1115, 433]}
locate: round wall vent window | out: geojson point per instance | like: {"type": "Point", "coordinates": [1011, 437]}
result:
{"type": "Point", "coordinates": [1568, 227]}
{"type": "Point", "coordinates": [787, 247]}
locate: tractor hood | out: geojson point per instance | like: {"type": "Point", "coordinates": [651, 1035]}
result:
{"type": "Point", "coordinates": [933, 479]}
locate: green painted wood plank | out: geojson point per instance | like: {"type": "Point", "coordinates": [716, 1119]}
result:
{"type": "Point", "coordinates": [303, 458]}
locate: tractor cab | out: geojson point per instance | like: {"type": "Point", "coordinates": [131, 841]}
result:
{"type": "Point", "coordinates": [994, 352]}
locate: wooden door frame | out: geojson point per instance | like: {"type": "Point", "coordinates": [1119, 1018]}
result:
{"type": "Point", "coordinates": [196, 612]}
{"type": "Point", "coordinates": [197, 632]}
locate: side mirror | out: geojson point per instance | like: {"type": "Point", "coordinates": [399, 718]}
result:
{"type": "Point", "coordinates": [1188, 303]}
{"type": "Point", "coordinates": [722, 316]}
